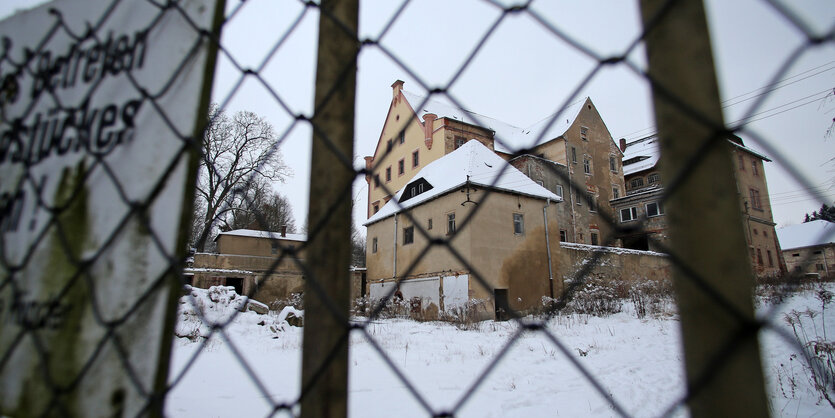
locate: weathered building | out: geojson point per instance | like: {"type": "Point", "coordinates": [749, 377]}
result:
{"type": "Point", "coordinates": [265, 264]}
{"type": "Point", "coordinates": [496, 220]}
{"type": "Point", "coordinates": [809, 248]}
{"type": "Point", "coordinates": [643, 204]}
{"type": "Point", "coordinates": [573, 146]}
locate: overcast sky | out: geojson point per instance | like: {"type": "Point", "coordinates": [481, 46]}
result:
{"type": "Point", "coordinates": [524, 73]}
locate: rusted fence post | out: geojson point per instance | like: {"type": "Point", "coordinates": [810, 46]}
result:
{"type": "Point", "coordinates": [724, 375]}
{"type": "Point", "coordinates": [325, 351]}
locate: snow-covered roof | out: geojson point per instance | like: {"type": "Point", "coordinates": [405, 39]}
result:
{"type": "Point", "coordinates": [509, 138]}
{"type": "Point", "coordinates": [647, 152]}
{"type": "Point", "coordinates": [471, 162]}
{"type": "Point", "coordinates": [264, 234]}
{"type": "Point", "coordinates": [807, 234]}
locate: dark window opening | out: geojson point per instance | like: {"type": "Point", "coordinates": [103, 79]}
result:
{"type": "Point", "coordinates": [408, 235]}
{"type": "Point", "coordinates": [237, 283]}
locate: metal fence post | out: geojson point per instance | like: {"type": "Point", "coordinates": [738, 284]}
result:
{"type": "Point", "coordinates": [722, 359]}
{"type": "Point", "coordinates": [325, 350]}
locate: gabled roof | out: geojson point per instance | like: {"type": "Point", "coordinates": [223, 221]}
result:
{"type": "Point", "coordinates": [509, 138]}
{"type": "Point", "coordinates": [646, 153]}
{"type": "Point", "coordinates": [472, 162]}
{"type": "Point", "coordinates": [807, 234]}
{"type": "Point", "coordinates": [263, 234]}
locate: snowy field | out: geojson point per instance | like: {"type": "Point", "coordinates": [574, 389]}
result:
{"type": "Point", "coordinates": [637, 362]}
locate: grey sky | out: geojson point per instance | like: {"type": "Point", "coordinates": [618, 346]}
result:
{"type": "Point", "coordinates": [524, 73]}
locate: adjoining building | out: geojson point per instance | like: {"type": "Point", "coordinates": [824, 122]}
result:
{"type": "Point", "coordinates": [643, 204]}
{"type": "Point", "coordinates": [809, 248]}
{"type": "Point", "coordinates": [502, 227]}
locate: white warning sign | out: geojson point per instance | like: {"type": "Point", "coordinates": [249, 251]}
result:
{"type": "Point", "coordinates": [99, 101]}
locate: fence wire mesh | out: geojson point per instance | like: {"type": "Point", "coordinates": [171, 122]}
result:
{"type": "Point", "coordinates": [83, 264]}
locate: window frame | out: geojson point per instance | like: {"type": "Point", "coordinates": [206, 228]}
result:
{"type": "Point", "coordinates": [408, 235]}
{"type": "Point", "coordinates": [586, 165]}
{"type": "Point", "coordinates": [613, 165]}
{"type": "Point", "coordinates": [450, 223]}
{"type": "Point", "coordinates": [518, 223]}
{"type": "Point", "coordinates": [636, 182]}
{"type": "Point", "coordinates": [632, 210]}
{"type": "Point", "coordinates": [754, 198]}
{"type": "Point", "coordinates": [654, 178]}
{"type": "Point", "coordinates": [594, 237]}
{"type": "Point", "coordinates": [563, 235]}
{"type": "Point", "coordinates": [559, 191]}
{"type": "Point", "coordinates": [401, 167]}
{"type": "Point", "coordinates": [659, 209]}
{"type": "Point", "coordinates": [754, 168]}
{"type": "Point", "coordinates": [574, 155]}
{"type": "Point", "coordinates": [584, 133]}
{"type": "Point", "coordinates": [374, 245]}
{"type": "Point", "coordinates": [615, 192]}
{"type": "Point", "coordinates": [388, 174]}
{"type": "Point", "coordinates": [415, 158]}
{"type": "Point", "coordinates": [592, 201]}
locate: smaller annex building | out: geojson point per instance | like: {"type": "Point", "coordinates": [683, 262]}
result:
{"type": "Point", "coordinates": [263, 264]}
{"type": "Point", "coordinates": [501, 226]}
{"type": "Point", "coordinates": [809, 248]}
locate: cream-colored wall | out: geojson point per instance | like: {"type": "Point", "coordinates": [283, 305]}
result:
{"type": "Point", "coordinates": [501, 258]}
{"type": "Point", "coordinates": [818, 259]}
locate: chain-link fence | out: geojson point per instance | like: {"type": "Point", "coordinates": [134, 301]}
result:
{"type": "Point", "coordinates": [714, 282]}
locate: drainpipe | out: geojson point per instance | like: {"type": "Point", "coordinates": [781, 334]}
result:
{"type": "Point", "coordinates": [394, 260]}
{"type": "Point", "coordinates": [548, 246]}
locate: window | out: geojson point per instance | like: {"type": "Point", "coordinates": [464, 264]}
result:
{"type": "Point", "coordinates": [654, 178]}
{"type": "Point", "coordinates": [615, 192]}
{"type": "Point", "coordinates": [518, 224]}
{"type": "Point", "coordinates": [459, 141]}
{"type": "Point", "coordinates": [770, 260]}
{"type": "Point", "coordinates": [759, 257]}
{"type": "Point", "coordinates": [754, 168]}
{"type": "Point", "coordinates": [450, 223]}
{"type": "Point", "coordinates": [374, 245]}
{"type": "Point", "coordinates": [563, 235]}
{"type": "Point", "coordinates": [819, 267]}
{"type": "Point", "coordinates": [574, 155]}
{"type": "Point", "coordinates": [429, 224]}
{"type": "Point", "coordinates": [401, 167]}
{"type": "Point", "coordinates": [415, 159]}
{"type": "Point", "coordinates": [628, 214]}
{"type": "Point", "coordinates": [613, 164]}
{"type": "Point", "coordinates": [376, 181]}
{"type": "Point", "coordinates": [388, 145]}
{"type": "Point", "coordinates": [756, 232]}
{"type": "Point", "coordinates": [636, 182]}
{"type": "Point", "coordinates": [584, 132]}
{"type": "Point", "coordinates": [741, 162]}
{"type": "Point", "coordinates": [594, 238]}
{"type": "Point", "coordinates": [376, 206]}
{"type": "Point", "coordinates": [580, 237]}
{"type": "Point", "coordinates": [655, 209]}
{"type": "Point", "coordinates": [408, 235]}
{"type": "Point", "coordinates": [796, 255]}
{"type": "Point", "coordinates": [403, 136]}
{"type": "Point", "coordinates": [755, 199]}
{"type": "Point", "coordinates": [816, 252]}
{"type": "Point", "coordinates": [592, 202]}
{"type": "Point", "coordinates": [559, 190]}
{"type": "Point", "coordinates": [586, 165]}
{"type": "Point", "coordinates": [765, 233]}
{"type": "Point", "coordinates": [388, 174]}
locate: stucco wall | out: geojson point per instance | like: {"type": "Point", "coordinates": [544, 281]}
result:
{"type": "Point", "coordinates": [819, 259]}
{"type": "Point", "coordinates": [255, 246]}
{"type": "Point", "coordinates": [615, 263]}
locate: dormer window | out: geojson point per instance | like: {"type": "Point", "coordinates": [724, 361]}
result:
{"type": "Point", "coordinates": [415, 188]}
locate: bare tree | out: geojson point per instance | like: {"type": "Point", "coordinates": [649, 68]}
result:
{"type": "Point", "coordinates": [263, 209]}
{"type": "Point", "coordinates": [239, 153]}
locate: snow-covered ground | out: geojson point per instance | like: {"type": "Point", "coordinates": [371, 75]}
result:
{"type": "Point", "coordinates": [636, 362]}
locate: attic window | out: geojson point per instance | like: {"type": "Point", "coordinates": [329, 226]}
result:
{"type": "Point", "coordinates": [415, 188]}
{"type": "Point", "coordinates": [584, 133]}
{"type": "Point", "coordinates": [634, 160]}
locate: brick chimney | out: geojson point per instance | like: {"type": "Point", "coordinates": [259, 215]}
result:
{"type": "Point", "coordinates": [369, 163]}
{"type": "Point", "coordinates": [623, 145]}
{"type": "Point", "coordinates": [396, 88]}
{"type": "Point", "coordinates": [428, 123]}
